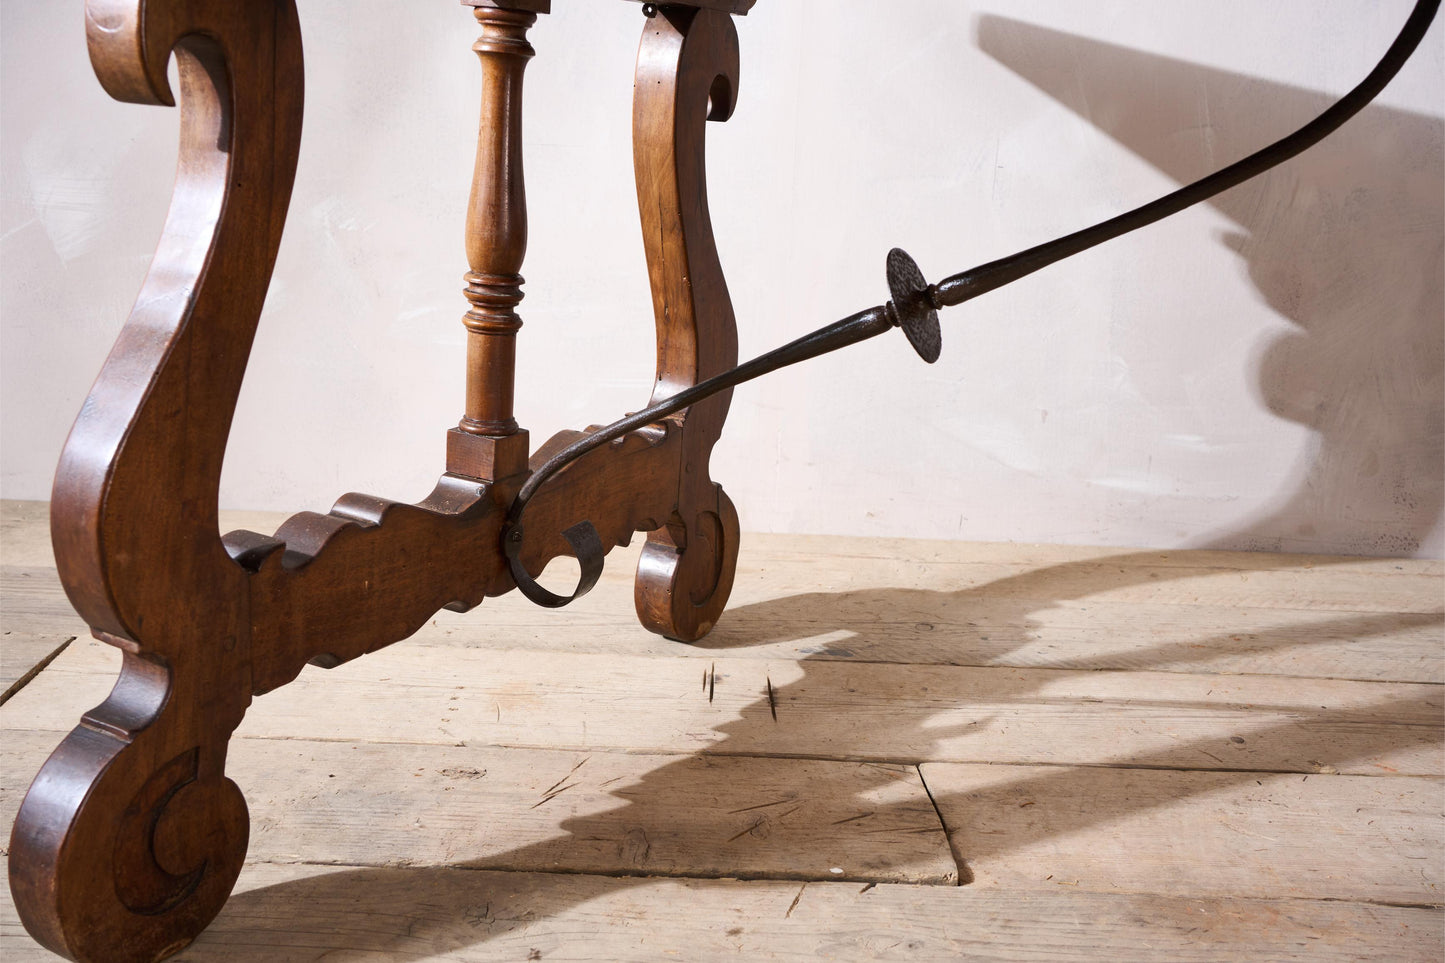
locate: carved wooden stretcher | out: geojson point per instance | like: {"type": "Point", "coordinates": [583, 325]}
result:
{"type": "Point", "coordinates": [131, 836]}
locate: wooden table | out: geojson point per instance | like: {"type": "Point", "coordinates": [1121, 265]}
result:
{"type": "Point", "coordinates": [133, 834]}
{"type": "Point", "coordinates": [1118, 754]}
{"type": "Point", "coordinates": [1258, 774]}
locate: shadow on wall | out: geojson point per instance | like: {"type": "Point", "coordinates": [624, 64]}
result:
{"type": "Point", "coordinates": [1346, 241]}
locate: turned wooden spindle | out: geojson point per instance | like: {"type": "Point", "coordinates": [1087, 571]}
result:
{"type": "Point", "coordinates": [487, 442]}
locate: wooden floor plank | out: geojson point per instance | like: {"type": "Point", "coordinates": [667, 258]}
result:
{"type": "Point", "coordinates": [1195, 833]}
{"type": "Point", "coordinates": [301, 914]}
{"type": "Point", "coordinates": [806, 550]}
{"type": "Point", "coordinates": [22, 653]}
{"type": "Point", "coordinates": [825, 709]}
{"type": "Point", "coordinates": [608, 813]}
{"type": "Point", "coordinates": [908, 625]}
{"type": "Point", "coordinates": [25, 533]}
{"type": "Point", "coordinates": [31, 599]}
{"type": "Point", "coordinates": [939, 628]}
{"type": "Point", "coordinates": [35, 620]}
{"type": "Point", "coordinates": [25, 530]}
{"type": "Point", "coordinates": [1182, 801]}
{"type": "Point", "coordinates": [1042, 575]}
{"type": "Point", "coordinates": [937, 602]}
{"type": "Point", "coordinates": [1322, 588]}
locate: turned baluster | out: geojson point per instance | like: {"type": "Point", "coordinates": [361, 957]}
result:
{"type": "Point", "coordinates": [487, 442]}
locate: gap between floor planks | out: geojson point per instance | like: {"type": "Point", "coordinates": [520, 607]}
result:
{"type": "Point", "coordinates": [288, 914]}
{"type": "Point", "coordinates": [829, 710]}
{"type": "Point", "coordinates": [892, 625]}
{"type": "Point", "coordinates": [609, 813]}
{"type": "Point", "coordinates": [1253, 835]}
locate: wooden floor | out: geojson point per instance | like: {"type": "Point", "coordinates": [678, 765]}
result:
{"type": "Point", "coordinates": [886, 750]}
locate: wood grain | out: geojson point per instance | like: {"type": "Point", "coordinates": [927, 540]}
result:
{"type": "Point", "coordinates": [687, 75]}
{"type": "Point", "coordinates": [25, 534]}
{"type": "Point", "coordinates": [826, 709]}
{"type": "Point", "coordinates": [919, 624]}
{"type": "Point", "coordinates": [132, 835]}
{"type": "Point", "coordinates": [606, 813]}
{"type": "Point", "coordinates": [871, 616]}
{"type": "Point", "coordinates": [1252, 580]}
{"type": "Point", "coordinates": [1195, 833]}
{"type": "Point", "coordinates": [23, 654]}
{"type": "Point", "coordinates": [896, 606]}
{"type": "Point", "coordinates": [496, 235]}
{"type": "Point", "coordinates": [291, 914]}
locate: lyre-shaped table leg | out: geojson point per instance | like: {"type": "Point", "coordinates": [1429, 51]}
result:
{"type": "Point", "coordinates": [687, 74]}
{"type": "Point", "coordinates": [131, 836]}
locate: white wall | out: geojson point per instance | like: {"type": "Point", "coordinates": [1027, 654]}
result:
{"type": "Point", "coordinates": [1262, 372]}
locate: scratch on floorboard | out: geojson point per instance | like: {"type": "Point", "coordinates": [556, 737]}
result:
{"type": "Point", "coordinates": [794, 904]}
{"type": "Point", "coordinates": [35, 670]}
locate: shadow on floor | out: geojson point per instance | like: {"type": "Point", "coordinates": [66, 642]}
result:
{"type": "Point", "coordinates": [1363, 370]}
{"type": "Point", "coordinates": [450, 911]}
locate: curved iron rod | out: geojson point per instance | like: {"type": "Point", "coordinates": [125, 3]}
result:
{"type": "Point", "coordinates": [839, 334]}
{"type": "Point", "coordinates": [995, 274]}
{"type": "Point", "coordinates": [915, 304]}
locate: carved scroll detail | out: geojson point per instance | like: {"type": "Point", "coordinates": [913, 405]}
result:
{"type": "Point", "coordinates": [148, 887]}
{"type": "Point", "coordinates": [131, 837]}
{"type": "Point", "coordinates": [687, 74]}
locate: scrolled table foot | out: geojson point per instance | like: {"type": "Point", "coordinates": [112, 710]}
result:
{"type": "Point", "coordinates": [131, 837]}
{"type": "Point", "coordinates": [685, 574]}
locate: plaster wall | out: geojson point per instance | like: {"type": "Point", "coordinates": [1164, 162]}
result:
{"type": "Point", "coordinates": [1262, 372]}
